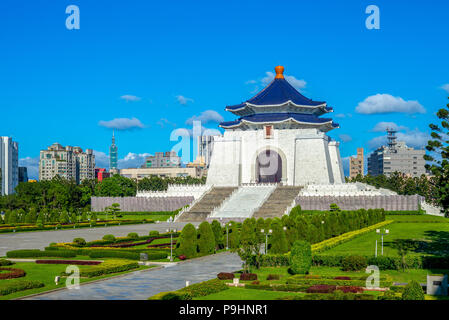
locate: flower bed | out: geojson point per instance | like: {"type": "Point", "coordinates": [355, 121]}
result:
{"type": "Point", "coordinates": [75, 262]}
{"type": "Point", "coordinates": [11, 273]}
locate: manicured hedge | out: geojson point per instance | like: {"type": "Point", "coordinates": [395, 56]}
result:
{"type": "Point", "coordinates": [94, 254]}
{"type": "Point", "coordinates": [110, 266]}
{"type": "Point", "coordinates": [75, 262]}
{"type": "Point", "coordinates": [225, 276]}
{"type": "Point", "coordinates": [19, 285]}
{"type": "Point", "coordinates": [195, 290]}
{"type": "Point", "coordinates": [385, 282]}
{"type": "Point", "coordinates": [278, 287]}
{"type": "Point", "coordinates": [336, 295]}
{"type": "Point", "coordinates": [4, 262]}
{"type": "Point", "coordinates": [248, 276]}
{"type": "Point", "coordinates": [38, 253]}
{"type": "Point", "coordinates": [11, 273]}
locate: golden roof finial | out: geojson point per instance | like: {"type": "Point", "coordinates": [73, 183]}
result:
{"type": "Point", "coordinates": [279, 72]}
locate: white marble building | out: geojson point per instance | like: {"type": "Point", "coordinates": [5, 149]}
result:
{"type": "Point", "coordinates": [278, 138]}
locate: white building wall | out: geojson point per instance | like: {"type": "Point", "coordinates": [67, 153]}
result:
{"type": "Point", "coordinates": [337, 166]}
{"type": "Point", "coordinates": [9, 165]}
{"type": "Point", "coordinates": [224, 169]}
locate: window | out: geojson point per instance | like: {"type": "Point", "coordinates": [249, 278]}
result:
{"type": "Point", "coordinates": [268, 132]}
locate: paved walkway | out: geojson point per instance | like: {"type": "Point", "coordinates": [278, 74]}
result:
{"type": "Point", "coordinates": [41, 239]}
{"type": "Point", "coordinates": [141, 285]}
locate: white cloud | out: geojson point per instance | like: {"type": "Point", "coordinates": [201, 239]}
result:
{"type": "Point", "coordinates": [32, 165]}
{"type": "Point", "coordinates": [383, 126]}
{"type": "Point", "coordinates": [122, 124]}
{"type": "Point", "coordinates": [131, 160]}
{"type": "Point", "coordinates": [386, 103]}
{"type": "Point", "coordinates": [343, 115]}
{"type": "Point", "coordinates": [298, 84]}
{"type": "Point", "coordinates": [183, 100]}
{"type": "Point", "coordinates": [445, 87]}
{"type": "Point", "coordinates": [164, 121]}
{"type": "Point", "coordinates": [206, 117]}
{"type": "Point", "coordinates": [412, 138]}
{"type": "Point", "coordinates": [129, 97]}
{"type": "Point", "coordinates": [345, 137]}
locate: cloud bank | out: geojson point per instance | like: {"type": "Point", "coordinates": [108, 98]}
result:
{"type": "Point", "coordinates": [122, 124]}
{"type": "Point", "coordinates": [386, 103]}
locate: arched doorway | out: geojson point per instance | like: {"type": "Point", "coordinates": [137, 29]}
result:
{"type": "Point", "coordinates": [268, 167]}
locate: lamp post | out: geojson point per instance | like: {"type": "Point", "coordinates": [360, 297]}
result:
{"type": "Point", "coordinates": [171, 230]}
{"type": "Point", "coordinates": [382, 233]}
{"type": "Point", "coordinates": [266, 238]}
{"type": "Point", "coordinates": [227, 232]}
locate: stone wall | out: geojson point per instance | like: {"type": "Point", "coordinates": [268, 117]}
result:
{"type": "Point", "coordinates": [139, 204]}
{"type": "Point", "coordinates": [389, 203]}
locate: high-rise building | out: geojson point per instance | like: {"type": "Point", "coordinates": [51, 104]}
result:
{"type": "Point", "coordinates": [9, 165]}
{"type": "Point", "coordinates": [113, 154]}
{"type": "Point", "coordinates": [356, 164]}
{"type": "Point", "coordinates": [205, 148]}
{"type": "Point", "coordinates": [101, 173]}
{"type": "Point", "coordinates": [67, 162]}
{"type": "Point", "coordinates": [167, 159]}
{"type": "Point", "coordinates": [397, 156]}
{"type": "Point", "coordinates": [23, 174]}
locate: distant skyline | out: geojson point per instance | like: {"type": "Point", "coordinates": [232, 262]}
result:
{"type": "Point", "coordinates": [145, 68]}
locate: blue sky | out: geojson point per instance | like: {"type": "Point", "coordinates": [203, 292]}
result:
{"type": "Point", "coordinates": [155, 65]}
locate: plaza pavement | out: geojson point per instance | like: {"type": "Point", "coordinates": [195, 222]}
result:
{"type": "Point", "coordinates": [140, 285]}
{"type": "Point", "coordinates": [41, 239]}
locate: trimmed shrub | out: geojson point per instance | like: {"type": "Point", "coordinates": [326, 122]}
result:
{"type": "Point", "coordinates": [321, 288]}
{"type": "Point", "coordinates": [176, 295]}
{"type": "Point", "coordinates": [75, 262]}
{"type": "Point", "coordinates": [187, 242]}
{"type": "Point", "coordinates": [389, 295]}
{"type": "Point", "coordinates": [278, 240]}
{"type": "Point", "coordinates": [206, 239]}
{"type": "Point", "coordinates": [218, 234]}
{"type": "Point", "coordinates": [133, 236]}
{"type": "Point", "coordinates": [274, 260]}
{"type": "Point", "coordinates": [300, 257]}
{"type": "Point", "coordinates": [19, 285]}
{"type": "Point", "coordinates": [248, 276]}
{"type": "Point", "coordinates": [353, 289]}
{"type": "Point", "coordinates": [205, 288]}
{"type": "Point", "coordinates": [37, 253]}
{"type": "Point", "coordinates": [95, 254]}
{"type": "Point", "coordinates": [413, 291]}
{"type": "Point", "coordinates": [225, 276]}
{"type": "Point", "coordinates": [273, 277]}
{"type": "Point", "coordinates": [154, 233]}
{"type": "Point", "coordinates": [109, 237]}
{"type": "Point", "coordinates": [4, 262]}
{"type": "Point", "coordinates": [110, 266]}
{"type": "Point", "coordinates": [342, 278]}
{"type": "Point", "coordinates": [182, 257]}
{"type": "Point", "coordinates": [79, 241]}
{"type": "Point", "coordinates": [353, 263]}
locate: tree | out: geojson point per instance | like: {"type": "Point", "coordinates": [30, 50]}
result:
{"type": "Point", "coordinates": [234, 235]}
{"type": "Point", "coordinates": [116, 186]}
{"type": "Point", "coordinates": [278, 239]}
{"type": "Point", "coordinates": [249, 245]}
{"type": "Point", "coordinates": [206, 239]}
{"type": "Point", "coordinates": [187, 242]}
{"type": "Point", "coordinates": [413, 291]}
{"type": "Point", "coordinates": [64, 217]}
{"type": "Point", "coordinates": [112, 210]}
{"type": "Point", "coordinates": [218, 234]}
{"type": "Point", "coordinates": [301, 257]}
{"type": "Point", "coordinates": [438, 159]}
{"type": "Point", "coordinates": [404, 246]}
{"type": "Point", "coordinates": [12, 217]}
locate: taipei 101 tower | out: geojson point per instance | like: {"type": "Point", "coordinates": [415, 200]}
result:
{"type": "Point", "coordinates": [113, 154]}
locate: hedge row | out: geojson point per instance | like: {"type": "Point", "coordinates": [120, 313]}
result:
{"type": "Point", "coordinates": [37, 253]}
{"type": "Point", "coordinates": [336, 295]}
{"type": "Point", "coordinates": [332, 242]}
{"type": "Point", "coordinates": [301, 280]}
{"type": "Point", "coordinates": [75, 262]}
{"type": "Point", "coordinates": [110, 266]}
{"type": "Point", "coordinates": [19, 285]}
{"type": "Point", "coordinates": [278, 287]}
{"type": "Point", "coordinates": [11, 273]}
{"type": "Point", "coordinates": [195, 290]}
{"type": "Point", "coordinates": [388, 263]}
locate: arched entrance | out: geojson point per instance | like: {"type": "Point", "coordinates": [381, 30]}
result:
{"type": "Point", "coordinates": [268, 167]}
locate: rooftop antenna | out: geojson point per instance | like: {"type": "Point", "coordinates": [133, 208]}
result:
{"type": "Point", "coordinates": [391, 137]}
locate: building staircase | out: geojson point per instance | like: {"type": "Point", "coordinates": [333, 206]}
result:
{"type": "Point", "coordinates": [199, 211]}
{"type": "Point", "coordinates": [276, 204]}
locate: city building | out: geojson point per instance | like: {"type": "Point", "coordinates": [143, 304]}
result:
{"type": "Point", "coordinates": [101, 173]}
{"type": "Point", "coordinates": [205, 146]}
{"type": "Point", "coordinates": [140, 173]}
{"type": "Point", "coordinates": [23, 174]}
{"type": "Point", "coordinates": [397, 156]}
{"type": "Point", "coordinates": [113, 153]}
{"type": "Point", "coordinates": [67, 162]}
{"type": "Point", "coordinates": [9, 165]}
{"type": "Point", "coordinates": [168, 159]}
{"type": "Point", "coordinates": [279, 137]}
{"type": "Point", "coordinates": [356, 165]}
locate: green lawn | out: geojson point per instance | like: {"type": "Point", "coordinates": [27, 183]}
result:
{"type": "Point", "coordinates": [417, 218]}
{"type": "Point", "coordinates": [155, 217]}
{"type": "Point", "coordinates": [46, 273]}
{"type": "Point", "coordinates": [432, 237]}
{"type": "Point", "coordinates": [234, 293]}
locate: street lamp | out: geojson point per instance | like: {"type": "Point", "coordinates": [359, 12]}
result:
{"type": "Point", "coordinates": [266, 237]}
{"type": "Point", "coordinates": [382, 233]}
{"type": "Point", "coordinates": [171, 230]}
{"type": "Point", "coordinates": [227, 232]}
